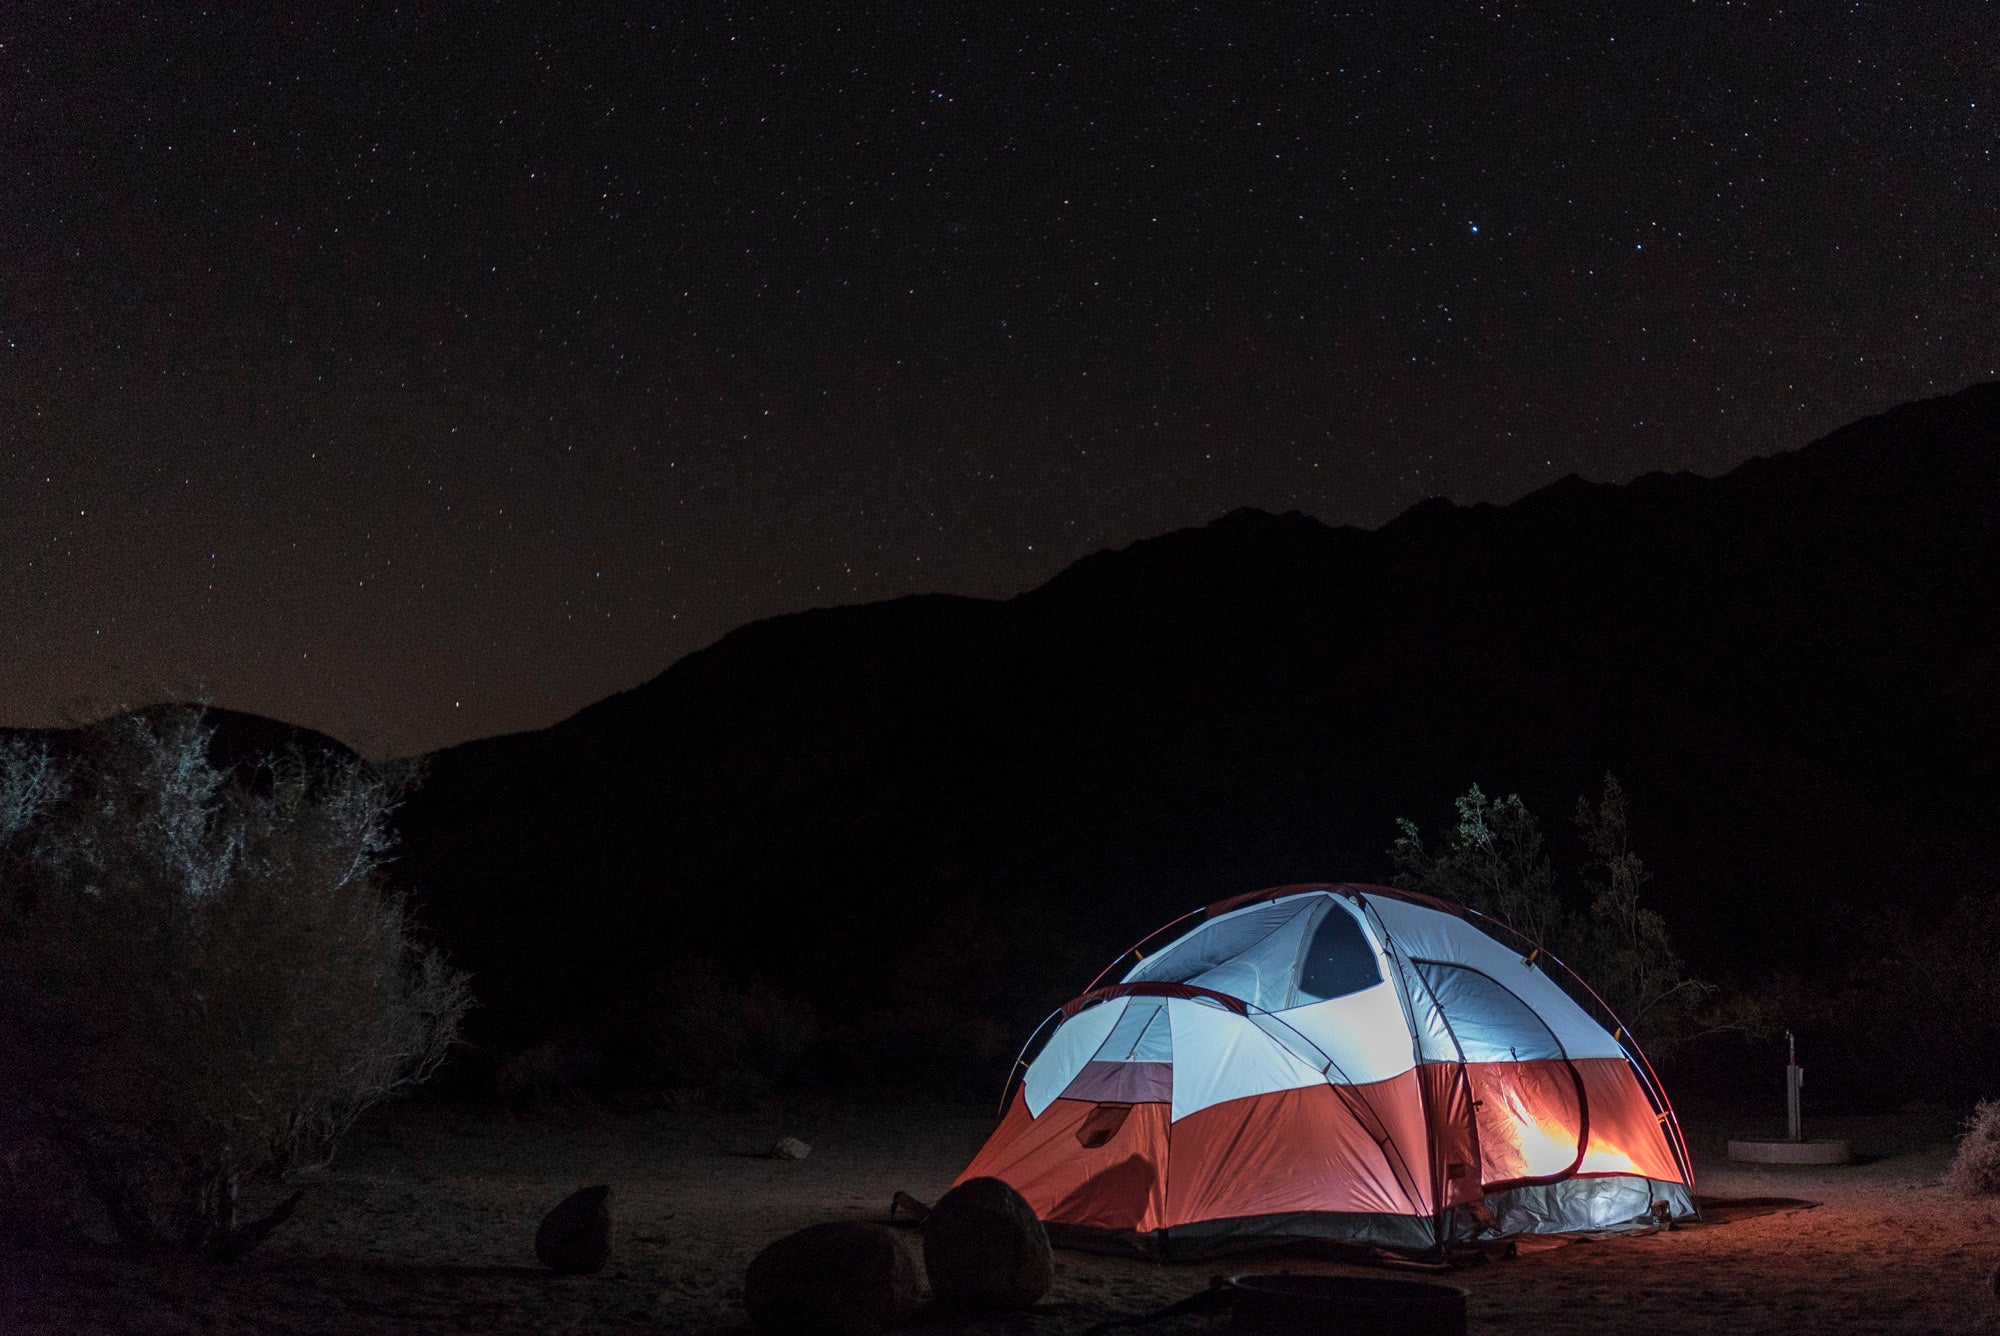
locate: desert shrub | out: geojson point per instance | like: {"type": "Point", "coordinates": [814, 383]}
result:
{"type": "Point", "coordinates": [1976, 1166]}
{"type": "Point", "coordinates": [547, 1072]}
{"type": "Point", "coordinates": [730, 1040]}
{"type": "Point", "coordinates": [1912, 1012]}
{"type": "Point", "coordinates": [950, 1049]}
{"type": "Point", "coordinates": [40, 1203]}
{"type": "Point", "coordinates": [1621, 946]}
{"type": "Point", "coordinates": [1492, 860]}
{"type": "Point", "coordinates": [202, 978]}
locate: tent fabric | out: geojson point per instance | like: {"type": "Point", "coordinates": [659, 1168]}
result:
{"type": "Point", "coordinates": [1626, 1134]}
{"type": "Point", "coordinates": [1487, 1022]}
{"type": "Point", "coordinates": [1586, 1205]}
{"type": "Point", "coordinates": [1362, 1036]}
{"type": "Point", "coordinates": [1333, 1061]}
{"type": "Point", "coordinates": [1529, 1120]}
{"type": "Point", "coordinates": [1219, 1056]}
{"type": "Point", "coordinates": [1251, 954]}
{"type": "Point", "coordinates": [1424, 934]}
{"type": "Point", "coordinates": [1072, 1046]}
{"type": "Point", "coordinates": [1307, 1149]}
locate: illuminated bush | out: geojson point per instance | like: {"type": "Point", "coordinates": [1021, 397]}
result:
{"type": "Point", "coordinates": [202, 979]}
{"type": "Point", "coordinates": [1976, 1166]}
{"type": "Point", "coordinates": [546, 1074]}
{"type": "Point", "coordinates": [730, 1040]}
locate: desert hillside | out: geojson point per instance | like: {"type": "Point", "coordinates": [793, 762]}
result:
{"type": "Point", "coordinates": [932, 817]}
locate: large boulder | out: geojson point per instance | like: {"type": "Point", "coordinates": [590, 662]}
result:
{"type": "Point", "coordinates": [575, 1238]}
{"type": "Point", "coordinates": [984, 1247]}
{"type": "Point", "coordinates": [842, 1278]}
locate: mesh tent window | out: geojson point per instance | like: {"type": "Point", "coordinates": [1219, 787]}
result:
{"type": "Point", "coordinates": [1339, 959]}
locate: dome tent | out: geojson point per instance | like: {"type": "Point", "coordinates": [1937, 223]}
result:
{"type": "Point", "coordinates": [1336, 1062]}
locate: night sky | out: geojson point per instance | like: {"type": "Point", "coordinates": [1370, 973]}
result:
{"type": "Point", "coordinates": [431, 373]}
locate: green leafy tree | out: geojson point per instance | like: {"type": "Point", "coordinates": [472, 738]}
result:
{"type": "Point", "coordinates": [203, 980]}
{"type": "Point", "coordinates": [1492, 860]}
{"type": "Point", "coordinates": [1621, 946]}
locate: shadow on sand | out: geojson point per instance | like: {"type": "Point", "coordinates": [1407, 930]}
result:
{"type": "Point", "coordinates": [1729, 1210]}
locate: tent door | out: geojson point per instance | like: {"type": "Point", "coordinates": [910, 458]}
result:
{"type": "Point", "coordinates": [1523, 1099]}
{"type": "Point", "coordinates": [1532, 1122]}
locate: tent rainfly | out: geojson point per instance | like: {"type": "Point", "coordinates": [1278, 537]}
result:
{"type": "Point", "coordinates": [1336, 1062]}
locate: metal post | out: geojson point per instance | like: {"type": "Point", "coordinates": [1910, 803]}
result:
{"type": "Point", "coordinates": [1795, 1076]}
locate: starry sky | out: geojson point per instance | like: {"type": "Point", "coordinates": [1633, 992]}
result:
{"type": "Point", "coordinates": [418, 373]}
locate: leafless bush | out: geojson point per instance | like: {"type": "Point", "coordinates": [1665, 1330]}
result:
{"type": "Point", "coordinates": [40, 1204]}
{"type": "Point", "coordinates": [1976, 1166]}
{"type": "Point", "coordinates": [202, 978]}
{"type": "Point", "coordinates": [546, 1073]}
{"type": "Point", "coordinates": [1910, 989]}
{"type": "Point", "coordinates": [732, 1041]}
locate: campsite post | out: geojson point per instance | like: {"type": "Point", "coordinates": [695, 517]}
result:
{"type": "Point", "coordinates": [1795, 1076]}
{"type": "Point", "coordinates": [1792, 1148]}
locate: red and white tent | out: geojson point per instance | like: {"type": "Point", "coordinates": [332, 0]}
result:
{"type": "Point", "coordinates": [1339, 1062]}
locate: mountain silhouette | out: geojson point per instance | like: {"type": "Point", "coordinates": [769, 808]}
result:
{"type": "Point", "coordinates": [952, 812]}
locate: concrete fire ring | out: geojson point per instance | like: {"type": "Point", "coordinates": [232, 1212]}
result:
{"type": "Point", "coordinates": [1778, 1150]}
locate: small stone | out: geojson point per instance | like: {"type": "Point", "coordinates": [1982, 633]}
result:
{"type": "Point", "coordinates": [575, 1238]}
{"type": "Point", "coordinates": [984, 1247]}
{"type": "Point", "coordinates": [842, 1278]}
{"type": "Point", "coordinates": [790, 1148]}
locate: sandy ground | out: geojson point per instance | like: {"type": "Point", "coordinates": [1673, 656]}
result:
{"type": "Point", "coordinates": [427, 1224]}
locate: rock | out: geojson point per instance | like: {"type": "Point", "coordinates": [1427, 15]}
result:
{"type": "Point", "coordinates": [985, 1248]}
{"type": "Point", "coordinates": [790, 1148]}
{"type": "Point", "coordinates": [1993, 1282]}
{"type": "Point", "coordinates": [843, 1278]}
{"type": "Point", "coordinates": [575, 1238]}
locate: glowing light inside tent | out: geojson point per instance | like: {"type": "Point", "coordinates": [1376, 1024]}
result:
{"type": "Point", "coordinates": [1606, 1160]}
{"type": "Point", "coordinates": [1540, 1146]}
{"type": "Point", "coordinates": [1546, 1147]}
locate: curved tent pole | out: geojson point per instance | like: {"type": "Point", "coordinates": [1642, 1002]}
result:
{"type": "Point", "coordinates": [1407, 964]}
{"type": "Point", "coordinates": [1215, 910]}
{"type": "Point", "coordinates": [1626, 1040]}
{"type": "Point", "coordinates": [1134, 948]}
{"type": "Point", "coordinates": [1021, 1062]}
{"type": "Point", "coordinates": [1144, 989]}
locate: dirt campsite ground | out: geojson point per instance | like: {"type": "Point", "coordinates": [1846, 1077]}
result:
{"type": "Point", "coordinates": [426, 1225]}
